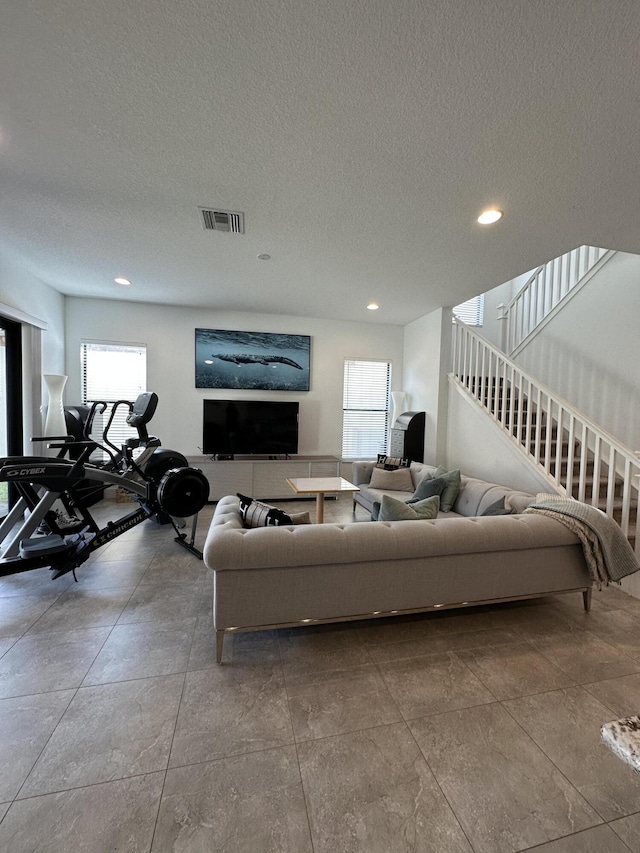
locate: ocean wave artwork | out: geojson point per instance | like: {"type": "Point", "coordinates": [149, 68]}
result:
{"type": "Point", "coordinates": [264, 361]}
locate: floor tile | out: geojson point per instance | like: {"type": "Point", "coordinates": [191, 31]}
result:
{"type": "Point", "coordinates": [431, 684]}
{"type": "Point", "coordinates": [565, 724]}
{"type": "Point", "coordinates": [109, 732]}
{"type": "Point", "coordinates": [231, 710]}
{"type": "Point", "coordinates": [34, 582]}
{"type": "Point", "coordinates": [628, 829]}
{"type": "Point", "coordinates": [141, 650]}
{"type": "Point", "coordinates": [109, 574]}
{"type": "Point", "coordinates": [443, 642]}
{"type": "Point", "coordinates": [250, 803]}
{"type": "Point", "coordinates": [514, 670]}
{"type": "Point", "coordinates": [392, 629]}
{"type": "Point", "coordinates": [502, 788]}
{"type": "Point", "coordinates": [372, 792]}
{"type": "Point", "coordinates": [38, 663]}
{"type": "Point", "coordinates": [543, 624]}
{"type": "Point", "coordinates": [6, 643]}
{"type": "Point", "coordinates": [463, 619]}
{"type": "Point", "coordinates": [78, 608]}
{"type": "Point", "coordinates": [26, 723]}
{"type": "Point", "coordinates": [180, 567]}
{"type": "Point", "coordinates": [259, 648]}
{"type": "Point", "coordinates": [18, 613]}
{"type": "Point", "coordinates": [338, 701]}
{"type": "Point", "coordinates": [162, 602]}
{"type": "Point", "coordinates": [98, 819]}
{"type": "Point", "coordinates": [620, 695]}
{"type": "Point", "coordinates": [321, 647]}
{"type": "Point", "coordinates": [619, 629]}
{"type": "Point", "coordinates": [586, 657]}
{"type": "Point", "coordinates": [119, 550]}
{"type": "Point", "coordinates": [600, 839]}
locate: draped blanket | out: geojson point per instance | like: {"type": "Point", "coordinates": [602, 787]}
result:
{"type": "Point", "coordinates": [607, 551]}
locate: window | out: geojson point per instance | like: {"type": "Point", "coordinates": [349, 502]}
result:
{"type": "Point", "coordinates": [471, 312]}
{"type": "Point", "coordinates": [365, 418]}
{"type": "Point", "coordinates": [112, 372]}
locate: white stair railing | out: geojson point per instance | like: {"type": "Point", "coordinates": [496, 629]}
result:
{"type": "Point", "coordinates": [547, 286]}
{"type": "Point", "coordinates": [574, 454]}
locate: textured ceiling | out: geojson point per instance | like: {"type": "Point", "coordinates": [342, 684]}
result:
{"type": "Point", "coordinates": [361, 139]}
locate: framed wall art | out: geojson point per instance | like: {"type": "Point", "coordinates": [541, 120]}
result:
{"type": "Point", "coordinates": [262, 361]}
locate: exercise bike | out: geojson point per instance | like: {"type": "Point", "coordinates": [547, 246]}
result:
{"type": "Point", "coordinates": [172, 492]}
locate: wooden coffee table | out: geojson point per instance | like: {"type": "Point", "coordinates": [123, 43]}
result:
{"type": "Point", "coordinates": [320, 486]}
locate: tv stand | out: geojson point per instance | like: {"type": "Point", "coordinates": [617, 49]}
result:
{"type": "Point", "coordinates": [261, 477]}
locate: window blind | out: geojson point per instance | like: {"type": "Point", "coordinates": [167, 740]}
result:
{"type": "Point", "coordinates": [471, 312]}
{"type": "Point", "coordinates": [365, 418]}
{"type": "Point", "coordinates": [112, 372]}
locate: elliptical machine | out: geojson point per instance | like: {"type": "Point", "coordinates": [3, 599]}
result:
{"type": "Point", "coordinates": [166, 487]}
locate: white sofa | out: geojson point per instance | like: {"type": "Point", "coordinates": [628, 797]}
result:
{"type": "Point", "coordinates": [293, 575]}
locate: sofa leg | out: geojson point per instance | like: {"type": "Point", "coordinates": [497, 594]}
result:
{"type": "Point", "coordinates": [219, 642]}
{"type": "Point", "coordinates": [586, 597]}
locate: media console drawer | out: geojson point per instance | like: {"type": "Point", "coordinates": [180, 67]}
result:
{"type": "Point", "coordinates": [261, 478]}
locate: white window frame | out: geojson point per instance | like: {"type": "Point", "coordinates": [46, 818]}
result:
{"type": "Point", "coordinates": [471, 312]}
{"type": "Point", "coordinates": [365, 407]}
{"type": "Point", "coordinates": [126, 378]}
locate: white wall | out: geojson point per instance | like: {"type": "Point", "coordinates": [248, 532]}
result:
{"type": "Point", "coordinates": [589, 353]}
{"type": "Point", "coordinates": [479, 449]}
{"type": "Point", "coordinates": [42, 351]}
{"type": "Point", "coordinates": [427, 356]}
{"type": "Point", "coordinates": [28, 294]}
{"type": "Point", "coordinates": [168, 333]}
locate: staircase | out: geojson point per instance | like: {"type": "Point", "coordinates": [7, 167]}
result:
{"type": "Point", "coordinates": [547, 287]}
{"type": "Point", "coordinates": [574, 455]}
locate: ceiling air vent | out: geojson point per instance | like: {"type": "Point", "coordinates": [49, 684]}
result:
{"type": "Point", "coordinates": [222, 220]}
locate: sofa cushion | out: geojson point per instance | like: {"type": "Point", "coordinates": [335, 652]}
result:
{"type": "Point", "coordinates": [258, 514]}
{"type": "Point", "coordinates": [427, 488]}
{"type": "Point", "coordinates": [390, 463]}
{"type": "Point", "coordinates": [391, 509]}
{"type": "Point", "coordinates": [398, 480]}
{"type": "Point", "coordinates": [452, 487]}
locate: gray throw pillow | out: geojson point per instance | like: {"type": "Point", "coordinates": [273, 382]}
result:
{"type": "Point", "coordinates": [498, 508]}
{"type": "Point", "coordinates": [391, 509]}
{"type": "Point", "coordinates": [451, 489]}
{"type": "Point", "coordinates": [427, 488]}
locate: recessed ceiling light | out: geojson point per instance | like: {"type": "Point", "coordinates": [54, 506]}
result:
{"type": "Point", "coordinates": [488, 217]}
{"type": "Point", "coordinates": [373, 306]}
{"type": "Point", "coordinates": [121, 280]}
{"type": "Point", "coordinates": [264, 257]}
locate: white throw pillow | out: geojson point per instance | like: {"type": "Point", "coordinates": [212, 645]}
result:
{"type": "Point", "coordinates": [393, 481]}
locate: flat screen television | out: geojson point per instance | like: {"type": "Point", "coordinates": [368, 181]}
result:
{"type": "Point", "coordinates": [249, 427]}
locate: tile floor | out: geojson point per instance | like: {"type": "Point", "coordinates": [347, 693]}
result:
{"type": "Point", "coordinates": [458, 731]}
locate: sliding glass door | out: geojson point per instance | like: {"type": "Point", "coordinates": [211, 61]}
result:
{"type": "Point", "coordinates": [10, 398]}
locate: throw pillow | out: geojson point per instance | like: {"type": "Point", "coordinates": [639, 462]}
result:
{"type": "Point", "coordinates": [391, 509]}
{"type": "Point", "coordinates": [300, 517]}
{"type": "Point", "coordinates": [390, 463]}
{"type": "Point", "coordinates": [258, 514]}
{"type": "Point", "coordinates": [498, 508]}
{"type": "Point", "coordinates": [428, 487]}
{"type": "Point", "coordinates": [450, 493]}
{"type": "Point", "coordinates": [398, 480]}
